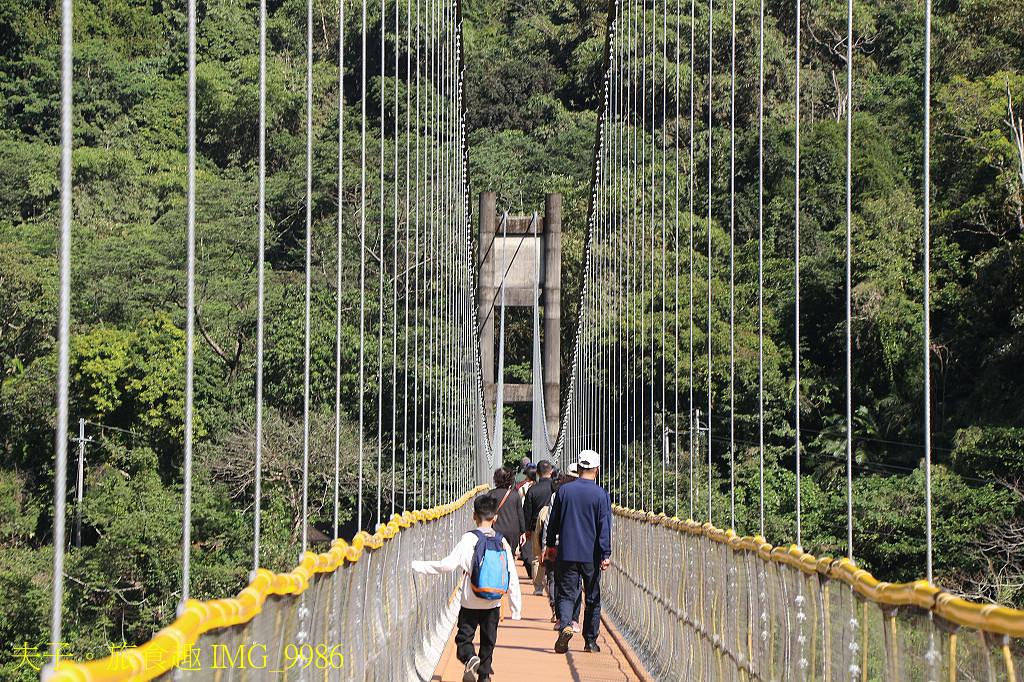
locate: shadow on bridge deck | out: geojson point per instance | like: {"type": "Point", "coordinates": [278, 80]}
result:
{"type": "Point", "coordinates": [525, 651]}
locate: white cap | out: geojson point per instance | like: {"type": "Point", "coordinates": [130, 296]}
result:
{"type": "Point", "coordinates": [589, 460]}
{"type": "Point", "coordinates": [571, 470]}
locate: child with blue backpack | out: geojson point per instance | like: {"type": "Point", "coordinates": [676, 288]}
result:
{"type": "Point", "coordinates": [486, 560]}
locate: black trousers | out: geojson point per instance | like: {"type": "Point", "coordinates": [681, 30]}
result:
{"type": "Point", "coordinates": [469, 621]}
{"type": "Point", "coordinates": [568, 575]}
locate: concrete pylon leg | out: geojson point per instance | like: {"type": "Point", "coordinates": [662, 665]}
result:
{"type": "Point", "coordinates": [552, 300]}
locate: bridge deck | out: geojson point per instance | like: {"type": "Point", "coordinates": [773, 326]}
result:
{"type": "Point", "coordinates": [525, 651]}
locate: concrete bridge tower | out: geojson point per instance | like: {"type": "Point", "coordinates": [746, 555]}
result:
{"type": "Point", "coordinates": [519, 249]}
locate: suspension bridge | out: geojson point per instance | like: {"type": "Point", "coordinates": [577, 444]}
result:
{"type": "Point", "coordinates": [693, 596]}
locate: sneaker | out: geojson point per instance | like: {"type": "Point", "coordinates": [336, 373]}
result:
{"type": "Point", "coordinates": [484, 678]}
{"type": "Point", "coordinates": [576, 626]}
{"type": "Point", "coordinates": [562, 643]}
{"type": "Point", "coordinates": [539, 592]}
{"type": "Point", "coordinates": [471, 665]}
{"type": "Point", "coordinates": [554, 618]}
{"type": "Point", "coordinates": [557, 625]}
{"type": "Point", "coordinates": [592, 647]}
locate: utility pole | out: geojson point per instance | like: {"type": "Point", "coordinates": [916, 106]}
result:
{"type": "Point", "coordinates": [81, 476]}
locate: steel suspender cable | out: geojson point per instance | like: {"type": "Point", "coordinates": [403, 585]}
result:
{"type": "Point", "coordinates": [362, 265]}
{"type": "Point", "coordinates": [611, 246]}
{"type": "Point", "coordinates": [654, 36]}
{"type": "Point", "coordinates": [427, 481]}
{"type": "Point", "coordinates": [760, 267]}
{"type": "Point", "coordinates": [711, 51]}
{"type": "Point", "coordinates": [408, 157]}
{"type": "Point", "coordinates": [642, 303]}
{"type": "Point", "coordinates": [606, 294]}
{"type": "Point", "coordinates": [394, 285]}
{"type": "Point", "coordinates": [429, 420]}
{"type": "Point", "coordinates": [732, 274]}
{"type": "Point", "coordinates": [623, 316]}
{"type": "Point", "coordinates": [624, 174]}
{"type": "Point", "coordinates": [64, 334]}
{"type": "Point", "coordinates": [641, 259]}
{"type": "Point", "coordinates": [675, 298]}
{"type": "Point", "coordinates": [417, 477]}
{"type": "Point", "coordinates": [796, 332]}
{"type": "Point", "coordinates": [849, 279]}
{"type": "Point", "coordinates": [664, 218]}
{"type": "Point", "coordinates": [380, 280]}
{"type": "Point", "coordinates": [796, 283]}
{"type": "Point", "coordinates": [438, 257]}
{"type": "Point", "coordinates": [260, 283]}
{"type": "Point", "coordinates": [634, 163]}
{"type": "Point", "coordinates": [927, 283]}
{"type": "Point", "coordinates": [309, 273]}
{"type": "Point", "coordinates": [190, 306]}
{"type": "Point", "coordinates": [628, 210]}
{"type": "Point", "coordinates": [339, 256]}
{"type": "Point", "coordinates": [732, 277]}
{"type": "Point", "coordinates": [442, 260]}
{"type": "Point", "coordinates": [693, 29]}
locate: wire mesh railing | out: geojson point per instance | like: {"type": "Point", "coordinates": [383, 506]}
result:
{"type": "Point", "coordinates": [356, 612]}
{"type": "Point", "coordinates": [700, 603]}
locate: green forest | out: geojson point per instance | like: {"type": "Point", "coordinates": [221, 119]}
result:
{"type": "Point", "coordinates": [533, 75]}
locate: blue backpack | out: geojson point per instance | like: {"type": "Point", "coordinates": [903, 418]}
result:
{"type": "Point", "coordinates": [489, 577]}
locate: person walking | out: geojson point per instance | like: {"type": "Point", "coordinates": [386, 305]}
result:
{"type": "Point", "coordinates": [549, 562]}
{"type": "Point", "coordinates": [477, 611]}
{"type": "Point", "coordinates": [537, 497]}
{"type": "Point", "coordinates": [524, 485]}
{"type": "Point", "coordinates": [521, 473]}
{"type": "Point", "coordinates": [580, 520]}
{"type": "Point", "coordinates": [509, 521]}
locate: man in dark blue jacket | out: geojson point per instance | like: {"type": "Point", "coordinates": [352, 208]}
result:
{"type": "Point", "coordinates": [580, 526]}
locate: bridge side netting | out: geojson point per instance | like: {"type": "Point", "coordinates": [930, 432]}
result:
{"type": "Point", "coordinates": [353, 613]}
{"type": "Point", "coordinates": [700, 603]}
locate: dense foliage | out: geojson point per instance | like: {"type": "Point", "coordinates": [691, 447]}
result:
{"type": "Point", "coordinates": [976, 351]}
{"type": "Point", "coordinates": [533, 71]}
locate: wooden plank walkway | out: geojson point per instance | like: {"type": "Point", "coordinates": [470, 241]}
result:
{"type": "Point", "coordinates": [525, 651]}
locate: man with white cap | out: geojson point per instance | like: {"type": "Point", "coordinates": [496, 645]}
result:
{"type": "Point", "coordinates": [580, 518]}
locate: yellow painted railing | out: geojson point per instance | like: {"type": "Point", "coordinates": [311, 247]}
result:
{"type": "Point", "coordinates": [169, 647]}
{"type": "Point", "coordinates": [704, 603]}
{"type": "Point", "coordinates": [988, 617]}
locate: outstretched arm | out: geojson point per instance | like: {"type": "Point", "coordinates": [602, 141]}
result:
{"type": "Point", "coordinates": [460, 557]}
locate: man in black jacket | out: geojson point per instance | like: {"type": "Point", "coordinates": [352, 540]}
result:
{"type": "Point", "coordinates": [539, 494]}
{"type": "Point", "coordinates": [537, 497]}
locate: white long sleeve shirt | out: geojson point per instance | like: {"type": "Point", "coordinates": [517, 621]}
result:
{"type": "Point", "coordinates": [462, 558]}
